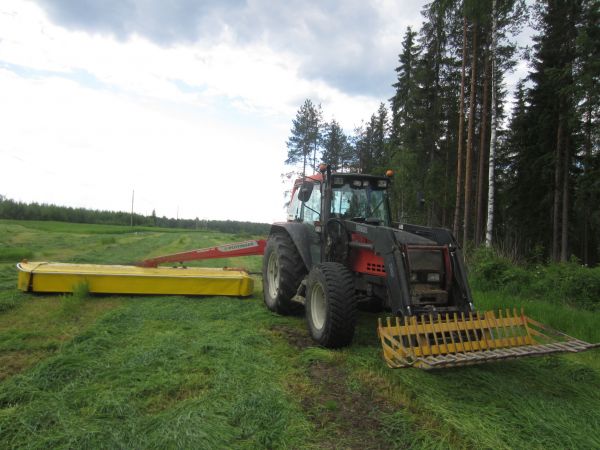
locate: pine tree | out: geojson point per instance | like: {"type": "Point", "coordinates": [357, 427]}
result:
{"type": "Point", "coordinates": [305, 135]}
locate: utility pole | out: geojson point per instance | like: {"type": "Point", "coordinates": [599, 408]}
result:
{"type": "Point", "coordinates": [132, 197]}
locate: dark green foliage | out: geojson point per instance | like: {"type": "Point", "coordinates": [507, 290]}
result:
{"type": "Point", "coordinates": [564, 283]}
{"type": "Point", "coordinates": [11, 209]}
{"type": "Point", "coordinates": [336, 148]}
{"type": "Point", "coordinates": [546, 192]}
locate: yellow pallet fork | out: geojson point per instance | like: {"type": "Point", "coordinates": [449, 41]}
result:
{"type": "Point", "coordinates": [458, 340]}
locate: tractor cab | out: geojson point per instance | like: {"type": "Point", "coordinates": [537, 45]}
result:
{"type": "Point", "coordinates": [353, 197]}
{"type": "Point", "coordinates": [359, 198]}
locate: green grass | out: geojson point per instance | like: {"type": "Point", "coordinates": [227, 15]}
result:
{"type": "Point", "coordinates": [70, 228]}
{"type": "Point", "coordinates": [84, 371]}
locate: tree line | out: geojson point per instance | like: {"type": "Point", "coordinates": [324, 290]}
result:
{"type": "Point", "coordinates": [523, 177]}
{"type": "Point", "coordinates": [11, 209]}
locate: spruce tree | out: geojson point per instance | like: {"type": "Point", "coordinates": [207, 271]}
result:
{"type": "Point", "coordinates": [335, 146]}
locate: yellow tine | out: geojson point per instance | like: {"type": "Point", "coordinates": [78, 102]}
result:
{"type": "Point", "coordinates": [504, 330]}
{"type": "Point", "coordinates": [389, 329]}
{"type": "Point", "coordinates": [520, 336]}
{"type": "Point", "coordinates": [434, 334]}
{"type": "Point", "coordinates": [511, 328]}
{"type": "Point", "coordinates": [486, 316]}
{"type": "Point", "coordinates": [399, 336]}
{"type": "Point", "coordinates": [418, 338]}
{"type": "Point", "coordinates": [474, 331]}
{"type": "Point", "coordinates": [484, 332]}
{"type": "Point", "coordinates": [466, 329]}
{"type": "Point", "coordinates": [514, 335]}
{"type": "Point", "coordinates": [499, 339]}
{"type": "Point", "coordinates": [462, 344]}
{"type": "Point", "coordinates": [413, 323]}
{"type": "Point", "coordinates": [443, 333]}
{"type": "Point", "coordinates": [451, 334]}
{"type": "Point", "coordinates": [409, 335]}
{"type": "Point", "coordinates": [530, 340]}
{"type": "Point", "coordinates": [424, 332]}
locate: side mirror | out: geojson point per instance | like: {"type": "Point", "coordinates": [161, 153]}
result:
{"type": "Point", "coordinates": [305, 191]}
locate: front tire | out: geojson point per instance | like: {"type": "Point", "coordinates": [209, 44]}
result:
{"type": "Point", "coordinates": [283, 271]}
{"type": "Point", "coordinates": [331, 305]}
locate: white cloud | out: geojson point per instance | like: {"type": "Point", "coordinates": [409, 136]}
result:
{"type": "Point", "coordinates": [199, 128]}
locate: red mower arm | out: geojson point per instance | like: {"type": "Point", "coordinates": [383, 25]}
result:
{"type": "Point", "coordinates": [246, 248]}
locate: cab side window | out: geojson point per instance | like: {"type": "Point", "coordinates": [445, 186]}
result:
{"type": "Point", "coordinates": [312, 207]}
{"type": "Point", "coordinates": [294, 209]}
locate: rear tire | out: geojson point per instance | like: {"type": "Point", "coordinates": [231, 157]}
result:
{"type": "Point", "coordinates": [283, 271]}
{"type": "Point", "coordinates": [331, 305]}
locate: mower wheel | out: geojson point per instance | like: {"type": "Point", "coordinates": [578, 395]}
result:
{"type": "Point", "coordinates": [331, 305]}
{"type": "Point", "coordinates": [283, 271]}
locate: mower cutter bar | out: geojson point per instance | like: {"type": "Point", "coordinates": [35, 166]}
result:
{"type": "Point", "coordinates": [459, 340]}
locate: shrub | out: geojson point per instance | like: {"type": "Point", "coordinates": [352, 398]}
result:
{"type": "Point", "coordinates": [490, 271]}
{"type": "Point", "coordinates": [567, 283]}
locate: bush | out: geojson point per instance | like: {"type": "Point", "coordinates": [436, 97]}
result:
{"type": "Point", "coordinates": [571, 283]}
{"type": "Point", "coordinates": [490, 271]}
{"type": "Point", "coordinates": [567, 283]}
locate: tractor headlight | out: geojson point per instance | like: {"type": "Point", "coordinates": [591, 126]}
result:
{"type": "Point", "coordinates": [382, 183]}
{"type": "Point", "coordinates": [433, 277]}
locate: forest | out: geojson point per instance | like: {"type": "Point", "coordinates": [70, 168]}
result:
{"type": "Point", "coordinates": [11, 209]}
{"type": "Point", "coordinates": [518, 170]}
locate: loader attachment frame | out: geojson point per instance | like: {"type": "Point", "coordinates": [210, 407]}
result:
{"type": "Point", "coordinates": [451, 340]}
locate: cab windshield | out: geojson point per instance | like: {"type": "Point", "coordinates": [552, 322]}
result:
{"type": "Point", "coordinates": [360, 204]}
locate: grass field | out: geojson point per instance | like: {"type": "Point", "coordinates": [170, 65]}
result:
{"type": "Point", "coordinates": [84, 371]}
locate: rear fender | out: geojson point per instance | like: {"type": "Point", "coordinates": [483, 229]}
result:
{"type": "Point", "coordinates": [304, 238]}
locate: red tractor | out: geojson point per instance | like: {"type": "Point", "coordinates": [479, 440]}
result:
{"type": "Point", "coordinates": [339, 248]}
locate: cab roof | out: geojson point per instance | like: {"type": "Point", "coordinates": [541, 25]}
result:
{"type": "Point", "coordinates": [318, 177]}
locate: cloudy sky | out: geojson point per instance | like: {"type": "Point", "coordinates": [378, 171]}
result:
{"type": "Point", "coordinates": [187, 102]}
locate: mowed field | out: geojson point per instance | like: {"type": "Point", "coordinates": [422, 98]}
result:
{"type": "Point", "coordinates": [82, 371]}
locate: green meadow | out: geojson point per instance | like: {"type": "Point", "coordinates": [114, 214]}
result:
{"type": "Point", "coordinates": [83, 371]}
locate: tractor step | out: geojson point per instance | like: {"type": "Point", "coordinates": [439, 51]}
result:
{"type": "Point", "coordinates": [115, 279]}
{"type": "Point", "coordinates": [450, 340]}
